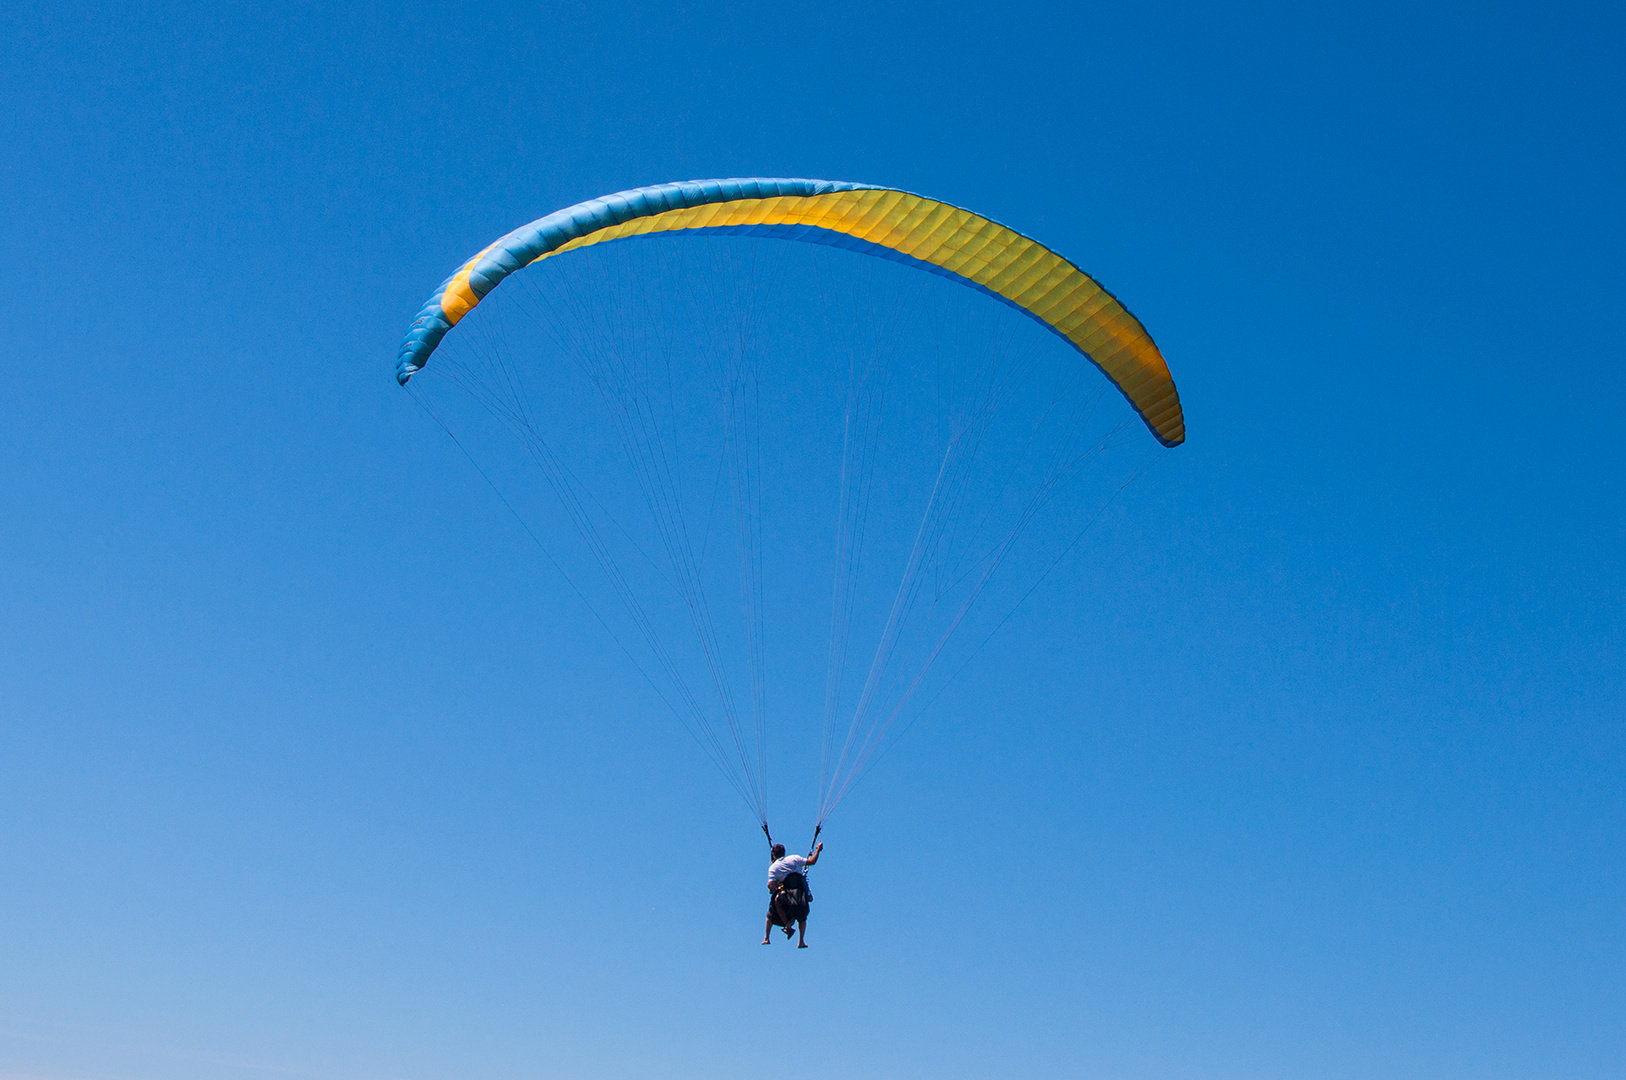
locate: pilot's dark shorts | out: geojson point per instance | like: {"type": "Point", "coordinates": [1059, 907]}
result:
{"type": "Point", "coordinates": [795, 906]}
{"type": "Point", "coordinates": [795, 901]}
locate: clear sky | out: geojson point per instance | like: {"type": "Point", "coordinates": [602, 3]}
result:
{"type": "Point", "coordinates": [304, 773]}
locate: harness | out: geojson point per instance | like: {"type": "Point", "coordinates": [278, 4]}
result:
{"type": "Point", "coordinates": [791, 895]}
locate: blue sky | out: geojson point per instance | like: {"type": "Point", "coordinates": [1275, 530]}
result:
{"type": "Point", "coordinates": [303, 774]}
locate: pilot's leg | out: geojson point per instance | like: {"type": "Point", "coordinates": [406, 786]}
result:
{"type": "Point", "coordinates": [785, 919]}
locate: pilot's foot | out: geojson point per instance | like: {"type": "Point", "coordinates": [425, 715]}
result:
{"type": "Point", "coordinates": [803, 945]}
{"type": "Point", "coordinates": [767, 941]}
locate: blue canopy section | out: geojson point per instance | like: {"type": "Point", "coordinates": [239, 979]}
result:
{"type": "Point", "coordinates": [530, 242]}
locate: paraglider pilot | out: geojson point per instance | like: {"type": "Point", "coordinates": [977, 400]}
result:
{"type": "Point", "coordinates": [788, 894]}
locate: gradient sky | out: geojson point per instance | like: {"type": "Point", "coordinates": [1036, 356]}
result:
{"type": "Point", "coordinates": [302, 774]}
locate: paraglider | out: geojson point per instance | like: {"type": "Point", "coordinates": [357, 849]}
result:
{"type": "Point", "coordinates": [912, 460]}
{"type": "Point", "coordinates": [788, 893]}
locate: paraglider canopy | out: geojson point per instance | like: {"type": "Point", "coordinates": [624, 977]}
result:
{"type": "Point", "coordinates": [898, 225]}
